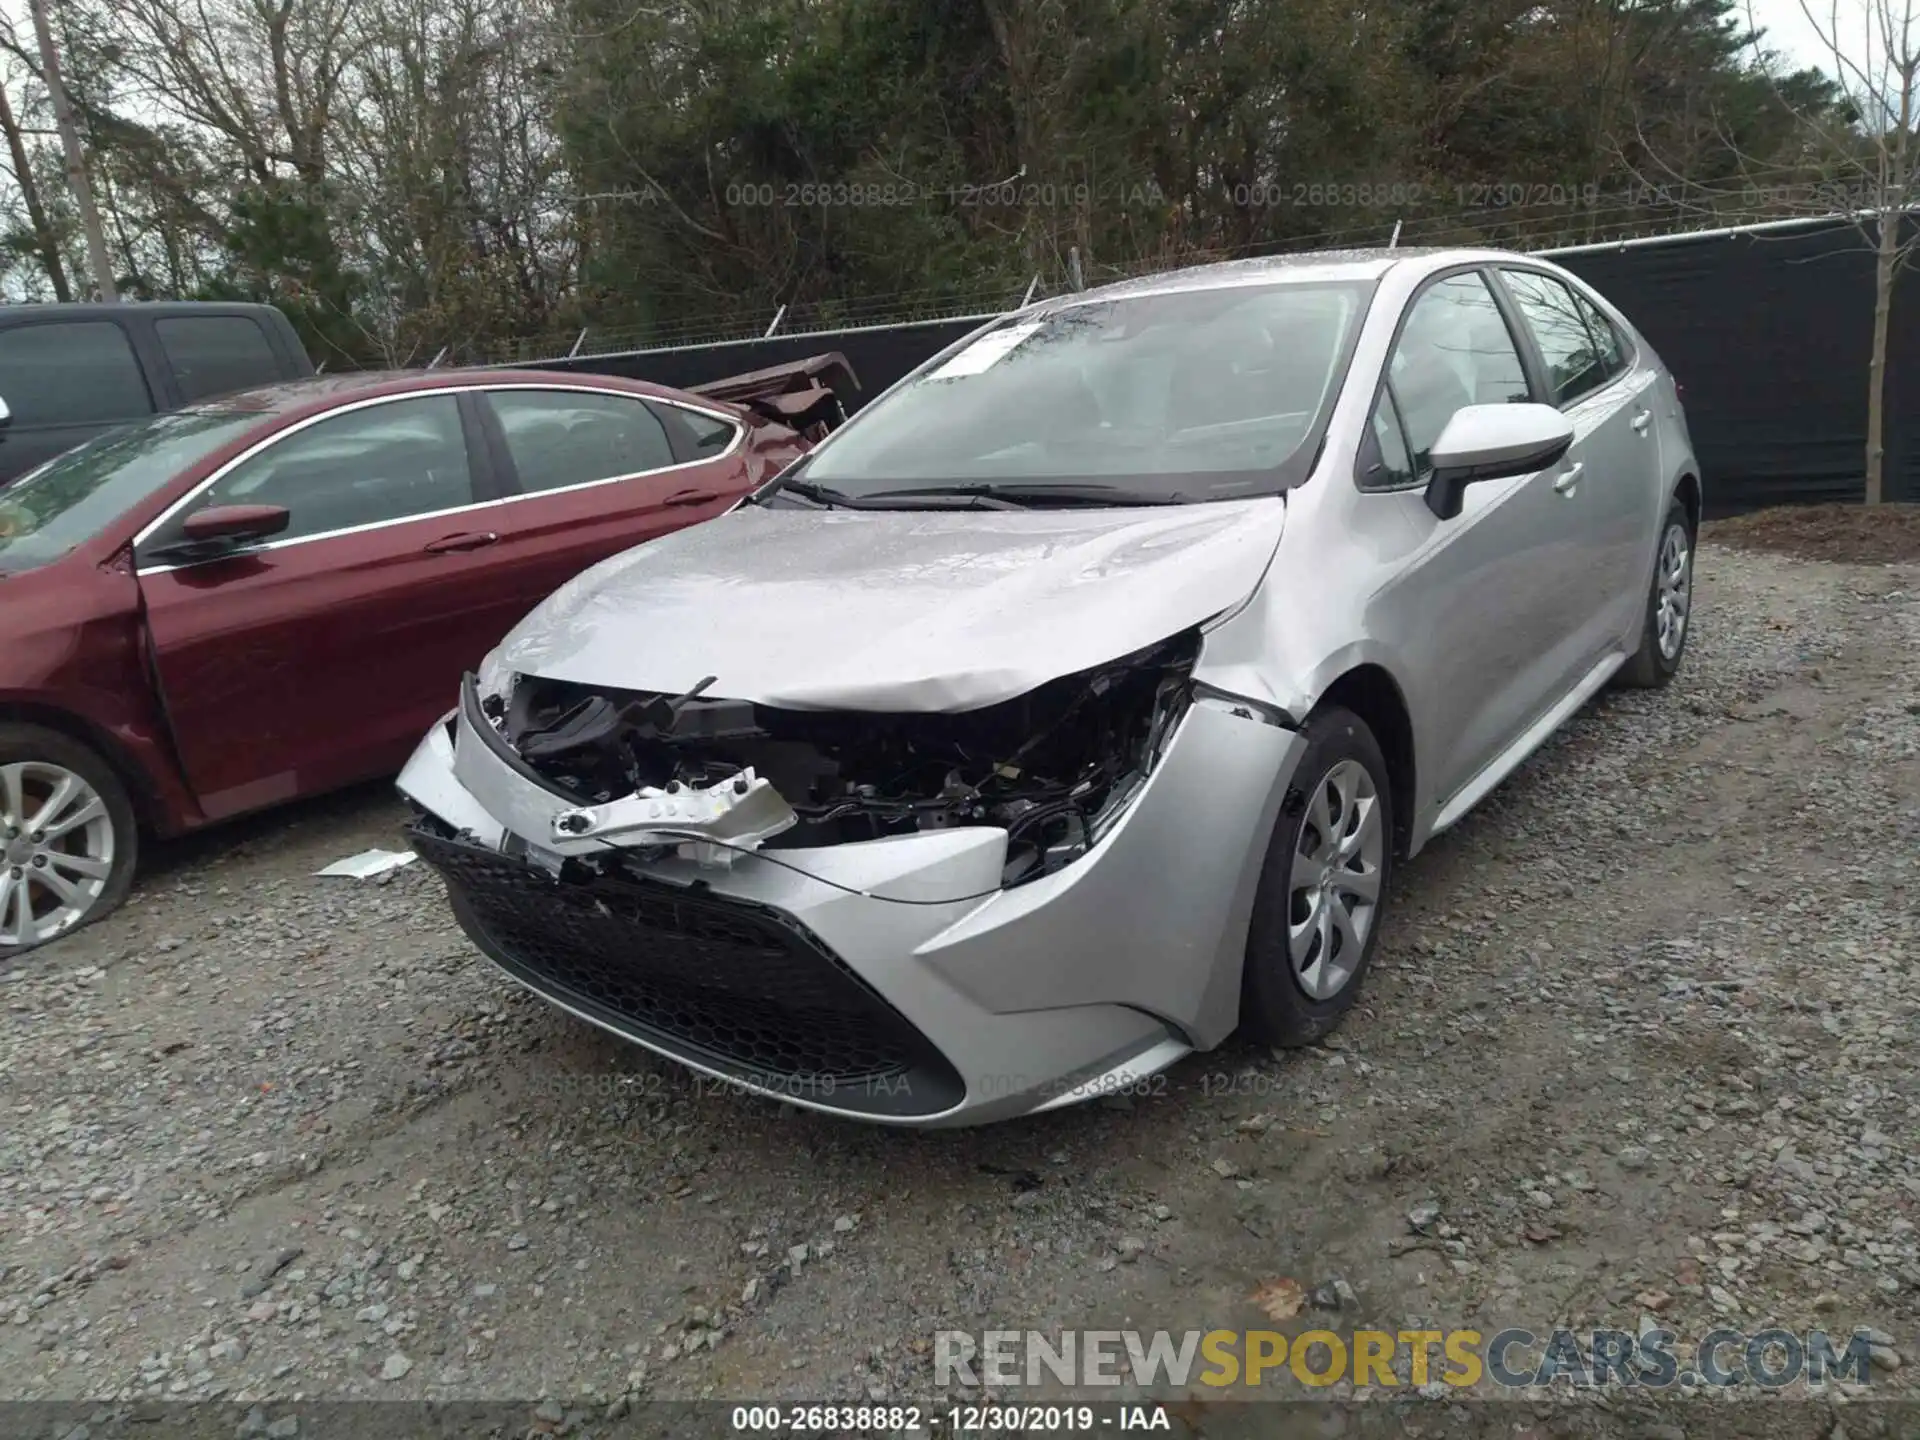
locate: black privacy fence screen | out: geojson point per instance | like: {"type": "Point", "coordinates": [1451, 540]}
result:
{"type": "Point", "coordinates": [1768, 329]}
{"type": "Point", "coordinates": [1770, 333]}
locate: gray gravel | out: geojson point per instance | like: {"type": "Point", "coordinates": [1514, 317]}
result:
{"type": "Point", "coordinates": [1641, 1042]}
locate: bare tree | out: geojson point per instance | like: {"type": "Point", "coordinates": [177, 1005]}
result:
{"type": "Point", "coordinates": [445, 153]}
{"type": "Point", "coordinates": [1869, 156]}
{"type": "Point", "coordinates": [77, 181]}
{"type": "Point", "coordinates": [44, 238]}
{"type": "Point", "coordinates": [264, 75]}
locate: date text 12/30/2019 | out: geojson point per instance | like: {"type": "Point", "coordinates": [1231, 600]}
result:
{"type": "Point", "coordinates": [955, 1420]}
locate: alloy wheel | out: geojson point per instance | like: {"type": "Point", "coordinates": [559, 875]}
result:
{"type": "Point", "coordinates": [1673, 591]}
{"type": "Point", "coordinates": [1334, 892]}
{"type": "Point", "coordinates": [56, 850]}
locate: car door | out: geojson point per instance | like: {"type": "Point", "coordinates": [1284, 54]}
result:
{"type": "Point", "coordinates": [65, 381]}
{"type": "Point", "coordinates": [597, 472]}
{"type": "Point", "coordinates": [1609, 401]}
{"type": "Point", "coordinates": [321, 656]}
{"type": "Point", "coordinates": [1480, 606]}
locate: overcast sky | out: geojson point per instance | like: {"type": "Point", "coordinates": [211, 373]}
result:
{"type": "Point", "coordinates": [1787, 27]}
{"type": "Point", "coordinates": [1790, 32]}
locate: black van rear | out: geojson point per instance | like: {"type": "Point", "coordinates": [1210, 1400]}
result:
{"type": "Point", "coordinates": [67, 372]}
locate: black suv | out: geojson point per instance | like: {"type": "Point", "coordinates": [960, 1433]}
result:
{"type": "Point", "coordinates": [67, 372]}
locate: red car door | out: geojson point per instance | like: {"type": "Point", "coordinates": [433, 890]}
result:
{"type": "Point", "coordinates": [319, 657]}
{"type": "Point", "coordinates": [600, 471]}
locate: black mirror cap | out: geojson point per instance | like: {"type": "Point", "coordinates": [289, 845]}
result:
{"type": "Point", "coordinates": [1446, 489]}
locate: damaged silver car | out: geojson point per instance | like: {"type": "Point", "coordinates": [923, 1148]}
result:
{"type": "Point", "coordinates": [1069, 708]}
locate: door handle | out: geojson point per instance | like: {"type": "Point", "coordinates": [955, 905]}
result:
{"type": "Point", "coordinates": [1568, 480]}
{"type": "Point", "coordinates": [465, 540]}
{"type": "Point", "coordinates": [691, 497]}
{"type": "Point", "coordinates": [1642, 420]}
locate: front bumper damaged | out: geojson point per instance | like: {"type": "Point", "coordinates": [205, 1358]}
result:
{"type": "Point", "coordinates": [891, 979]}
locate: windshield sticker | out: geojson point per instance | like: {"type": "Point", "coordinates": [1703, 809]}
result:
{"type": "Point", "coordinates": [989, 350]}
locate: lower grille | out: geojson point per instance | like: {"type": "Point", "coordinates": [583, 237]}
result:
{"type": "Point", "coordinates": [742, 989]}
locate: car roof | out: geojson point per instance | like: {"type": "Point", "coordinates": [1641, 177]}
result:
{"type": "Point", "coordinates": [319, 392]}
{"type": "Point", "coordinates": [1299, 267]}
{"type": "Point", "coordinates": [161, 309]}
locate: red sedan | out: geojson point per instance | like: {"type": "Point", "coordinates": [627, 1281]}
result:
{"type": "Point", "coordinates": [276, 593]}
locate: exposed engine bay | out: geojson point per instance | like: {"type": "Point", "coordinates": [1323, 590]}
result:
{"type": "Point", "coordinates": [1053, 767]}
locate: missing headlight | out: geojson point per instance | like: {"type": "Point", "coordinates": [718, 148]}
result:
{"type": "Point", "coordinates": [1054, 767]}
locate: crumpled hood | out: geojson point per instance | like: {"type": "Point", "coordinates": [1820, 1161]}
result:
{"type": "Point", "coordinates": [895, 609]}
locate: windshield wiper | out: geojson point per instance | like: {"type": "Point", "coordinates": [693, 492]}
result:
{"type": "Point", "coordinates": [1034, 493]}
{"type": "Point", "coordinates": [806, 490]}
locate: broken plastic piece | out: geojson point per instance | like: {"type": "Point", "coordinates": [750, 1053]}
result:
{"type": "Point", "coordinates": [741, 810]}
{"type": "Point", "coordinates": [369, 863]}
{"type": "Point", "coordinates": [809, 395]}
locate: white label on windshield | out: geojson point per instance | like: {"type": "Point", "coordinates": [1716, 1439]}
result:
{"type": "Point", "coordinates": [990, 349]}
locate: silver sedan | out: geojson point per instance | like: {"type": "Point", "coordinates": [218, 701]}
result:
{"type": "Point", "coordinates": [1070, 707]}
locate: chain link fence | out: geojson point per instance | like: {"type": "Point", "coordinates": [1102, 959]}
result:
{"type": "Point", "coordinates": [1539, 219]}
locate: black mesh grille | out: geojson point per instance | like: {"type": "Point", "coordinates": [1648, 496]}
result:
{"type": "Point", "coordinates": [740, 988]}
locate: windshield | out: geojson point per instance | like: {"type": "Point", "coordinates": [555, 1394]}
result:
{"type": "Point", "coordinates": [74, 496]}
{"type": "Point", "coordinates": [1195, 395]}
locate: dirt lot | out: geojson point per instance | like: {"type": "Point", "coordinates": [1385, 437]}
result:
{"type": "Point", "coordinates": [1644, 1030]}
{"type": "Point", "coordinates": [1873, 535]}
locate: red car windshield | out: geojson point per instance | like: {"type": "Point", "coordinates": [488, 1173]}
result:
{"type": "Point", "coordinates": [74, 496]}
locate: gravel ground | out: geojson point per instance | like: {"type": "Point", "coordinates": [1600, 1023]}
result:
{"type": "Point", "coordinates": [1643, 1030]}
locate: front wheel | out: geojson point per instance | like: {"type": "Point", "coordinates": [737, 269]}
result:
{"type": "Point", "coordinates": [67, 837]}
{"type": "Point", "coordinates": [1323, 893]}
{"type": "Point", "coordinates": [1669, 615]}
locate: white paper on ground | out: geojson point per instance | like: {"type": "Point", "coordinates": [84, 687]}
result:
{"type": "Point", "coordinates": [369, 863]}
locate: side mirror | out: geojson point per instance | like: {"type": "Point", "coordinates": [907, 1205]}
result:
{"type": "Point", "coordinates": [211, 533]}
{"type": "Point", "coordinates": [6, 415]}
{"type": "Point", "coordinates": [225, 524]}
{"type": "Point", "coordinates": [1492, 442]}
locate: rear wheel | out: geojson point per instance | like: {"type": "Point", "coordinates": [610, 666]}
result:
{"type": "Point", "coordinates": [1323, 894]}
{"type": "Point", "coordinates": [1663, 634]}
{"type": "Point", "coordinates": [67, 837]}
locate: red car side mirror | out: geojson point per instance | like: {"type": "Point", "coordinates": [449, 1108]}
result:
{"type": "Point", "coordinates": [235, 522]}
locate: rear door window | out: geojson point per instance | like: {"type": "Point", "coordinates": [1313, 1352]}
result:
{"type": "Point", "coordinates": [80, 372]}
{"type": "Point", "coordinates": [705, 436]}
{"type": "Point", "coordinates": [562, 438]}
{"type": "Point", "coordinates": [216, 354]}
{"type": "Point", "coordinates": [1575, 365]}
{"type": "Point", "coordinates": [1606, 338]}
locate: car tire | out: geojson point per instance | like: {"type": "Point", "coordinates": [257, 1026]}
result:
{"type": "Point", "coordinates": [1664, 630]}
{"type": "Point", "coordinates": [89, 848]}
{"type": "Point", "coordinates": [1304, 968]}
